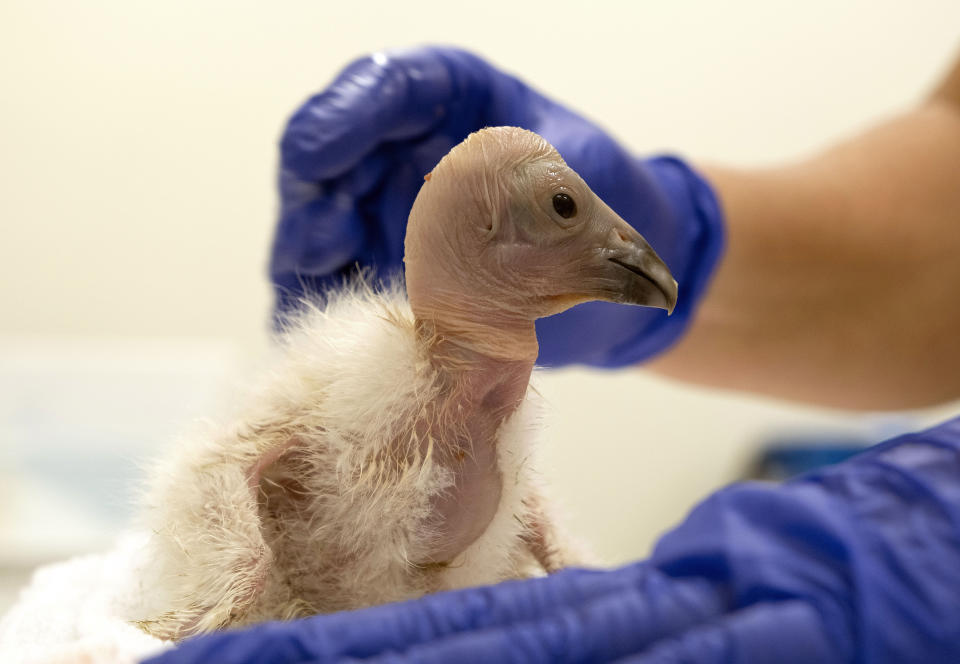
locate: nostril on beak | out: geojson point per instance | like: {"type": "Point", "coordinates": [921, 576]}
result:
{"type": "Point", "coordinates": [623, 237]}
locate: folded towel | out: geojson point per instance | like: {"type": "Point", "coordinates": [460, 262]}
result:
{"type": "Point", "coordinates": [79, 611]}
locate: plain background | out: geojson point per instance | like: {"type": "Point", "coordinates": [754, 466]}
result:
{"type": "Point", "coordinates": [137, 157]}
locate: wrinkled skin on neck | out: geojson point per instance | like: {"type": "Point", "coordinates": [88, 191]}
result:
{"type": "Point", "coordinates": [488, 252]}
{"type": "Point", "coordinates": [484, 342]}
{"type": "Point", "coordinates": [482, 392]}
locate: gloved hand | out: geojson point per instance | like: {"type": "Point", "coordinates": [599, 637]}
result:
{"type": "Point", "coordinates": [353, 159]}
{"type": "Point", "coordinates": [856, 562]}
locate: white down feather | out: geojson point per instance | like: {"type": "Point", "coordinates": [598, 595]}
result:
{"type": "Point", "coordinates": [344, 508]}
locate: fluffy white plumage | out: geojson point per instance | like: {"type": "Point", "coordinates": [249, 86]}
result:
{"type": "Point", "coordinates": [318, 497]}
{"type": "Point", "coordinates": [334, 419]}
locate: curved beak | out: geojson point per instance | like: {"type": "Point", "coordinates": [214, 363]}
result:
{"type": "Point", "coordinates": [632, 271]}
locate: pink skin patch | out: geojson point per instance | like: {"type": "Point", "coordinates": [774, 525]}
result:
{"type": "Point", "coordinates": [264, 462]}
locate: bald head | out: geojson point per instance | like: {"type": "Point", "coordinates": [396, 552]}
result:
{"type": "Point", "coordinates": [474, 177]}
{"type": "Point", "coordinates": [504, 232]}
{"type": "Point", "coordinates": [500, 150]}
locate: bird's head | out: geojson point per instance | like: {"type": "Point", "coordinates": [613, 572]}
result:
{"type": "Point", "coordinates": [504, 232]}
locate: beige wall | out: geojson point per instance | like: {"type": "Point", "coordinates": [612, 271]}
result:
{"type": "Point", "coordinates": [137, 150]}
{"type": "Point", "coordinates": [138, 137]}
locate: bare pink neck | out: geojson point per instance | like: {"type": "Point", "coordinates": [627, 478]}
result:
{"type": "Point", "coordinates": [490, 364]}
{"type": "Point", "coordinates": [483, 391]}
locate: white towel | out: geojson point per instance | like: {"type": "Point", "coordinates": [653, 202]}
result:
{"type": "Point", "coordinates": [78, 612]}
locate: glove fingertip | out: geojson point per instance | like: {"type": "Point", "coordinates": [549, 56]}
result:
{"type": "Point", "coordinates": [381, 97]}
{"type": "Point", "coordinates": [316, 240]}
{"type": "Point", "coordinates": [318, 145]}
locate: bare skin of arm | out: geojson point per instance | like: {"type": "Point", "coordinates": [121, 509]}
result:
{"type": "Point", "coordinates": [841, 281]}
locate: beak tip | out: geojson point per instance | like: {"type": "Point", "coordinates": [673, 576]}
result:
{"type": "Point", "coordinates": [672, 302]}
{"type": "Point", "coordinates": [656, 287]}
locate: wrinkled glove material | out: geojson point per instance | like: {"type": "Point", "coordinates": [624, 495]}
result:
{"type": "Point", "coordinates": [353, 158]}
{"type": "Point", "coordinates": [858, 562]}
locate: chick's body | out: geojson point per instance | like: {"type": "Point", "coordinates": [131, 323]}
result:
{"type": "Point", "coordinates": [323, 496]}
{"type": "Point", "coordinates": [388, 455]}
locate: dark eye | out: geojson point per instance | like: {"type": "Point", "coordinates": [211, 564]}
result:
{"type": "Point", "coordinates": [564, 206]}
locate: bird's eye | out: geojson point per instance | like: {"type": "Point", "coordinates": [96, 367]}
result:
{"type": "Point", "coordinates": [564, 205]}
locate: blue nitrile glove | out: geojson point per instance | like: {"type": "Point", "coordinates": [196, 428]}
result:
{"type": "Point", "coordinates": [353, 159]}
{"type": "Point", "coordinates": [858, 562]}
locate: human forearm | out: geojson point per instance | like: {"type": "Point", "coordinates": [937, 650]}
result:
{"type": "Point", "coordinates": [841, 281]}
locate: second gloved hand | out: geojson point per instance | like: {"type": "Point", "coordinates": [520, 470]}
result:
{"type": "Point", "coordinates": [859, 562]}
{"type": "Point", "coordinates": [354, 156]}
